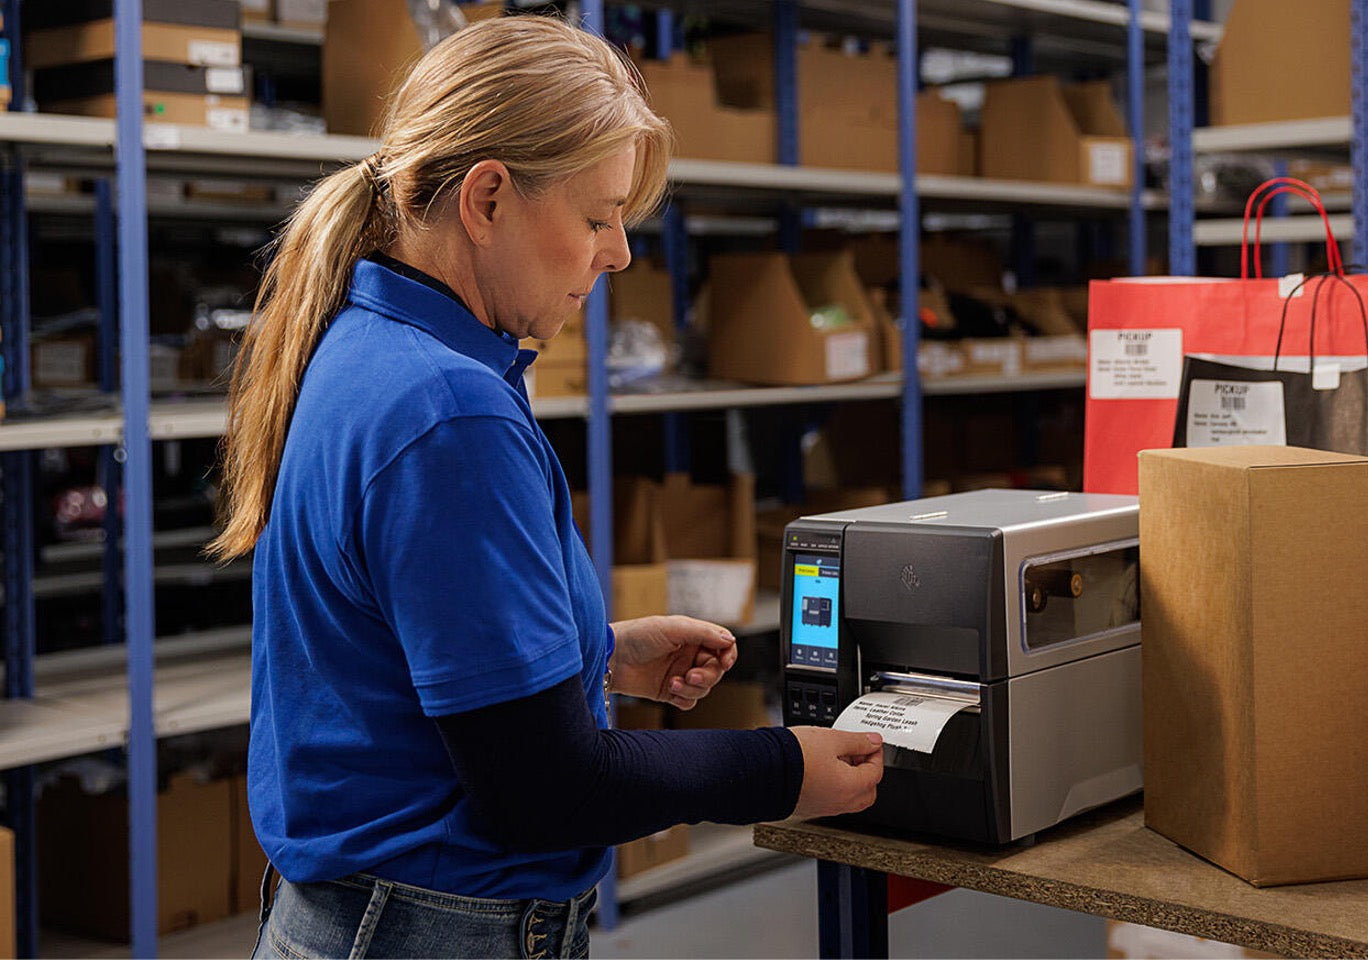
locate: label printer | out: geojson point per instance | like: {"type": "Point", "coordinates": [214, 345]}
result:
{"type": "Point", "coordinates": [1014, 613]}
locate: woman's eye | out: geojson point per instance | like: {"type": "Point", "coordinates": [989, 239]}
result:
{"type": "Point", "coordinates": [597, 225]}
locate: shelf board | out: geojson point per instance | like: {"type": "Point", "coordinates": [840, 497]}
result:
{"type": "Point", "coordinates": [713, 849]}
{"type": "Point", "coordinates": [203, 682]}
{"type": "Point", "coordinates": [179, 420]}
{"type": "Point", "coordinates": [255, 30]}
{"type": "Point", "coordinates": [1226, 232]}
{"type": "Point", "coordinates": [1283, 135]}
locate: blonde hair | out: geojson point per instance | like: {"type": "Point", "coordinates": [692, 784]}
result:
{"type": "Point", "coordinates": [544, 98]}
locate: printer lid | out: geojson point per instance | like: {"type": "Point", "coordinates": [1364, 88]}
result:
{"type": "Point", "coordinates": [1003, 510]}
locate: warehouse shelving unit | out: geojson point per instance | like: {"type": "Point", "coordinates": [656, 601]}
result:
{"type": "Point", "coordinates": [75, 704]}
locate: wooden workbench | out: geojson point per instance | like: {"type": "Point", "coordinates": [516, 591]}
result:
{"type": "Point", "coordinates": [1106, 863]}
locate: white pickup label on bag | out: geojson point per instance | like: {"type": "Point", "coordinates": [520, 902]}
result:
{"type": "Point", "coordinates": [1135, 364]}
{"type": "Point", "coordinates": [904, 720]}
{"type": "Point", "coordinates": [1224, 413]}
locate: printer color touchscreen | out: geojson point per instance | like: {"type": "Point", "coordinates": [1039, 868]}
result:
{"type": "Point", "coordinates": [816, 593]}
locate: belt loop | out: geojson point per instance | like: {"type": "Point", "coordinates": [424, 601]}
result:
{"type": "Point", "coordinates": [267, 900]}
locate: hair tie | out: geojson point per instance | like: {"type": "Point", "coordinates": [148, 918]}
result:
{"type": "Point", "coordinates": [370, 169]}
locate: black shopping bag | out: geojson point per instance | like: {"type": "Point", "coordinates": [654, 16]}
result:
{"type": "Point", "coordinates": [1309, 401]}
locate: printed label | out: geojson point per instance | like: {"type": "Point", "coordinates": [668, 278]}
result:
{"type": "Point", "coordinates": [1135, 364]}
{"type": "Point", "coordinates": [847, 355]}
{"type": "Point", "coordinates": [161, 136]}
{"type": "Point", "coordinates": [1236, 413]}
{"type": "Point", "coordinates": [903, 720]}
{"type": "Point", "coordinates": [1107, 163]}
{"type": "Point", "coordinates": [224, 80]}
{"type": "Point", "coordinates": [229, 119]}
{"type": "Point", "coordinates": [213, 53]}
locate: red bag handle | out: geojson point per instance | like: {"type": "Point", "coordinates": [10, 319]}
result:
{"type": "Point", "coordinates": [1270, 189]}
{"type": "Point", "coordinates": [1334, 260]}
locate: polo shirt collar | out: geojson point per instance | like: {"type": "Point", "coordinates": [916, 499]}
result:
{"type": "Point", "coordinates": [381, 290]}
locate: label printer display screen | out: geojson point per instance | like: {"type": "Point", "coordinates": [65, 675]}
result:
{"type": "Point", "coordinates": [816, 595]}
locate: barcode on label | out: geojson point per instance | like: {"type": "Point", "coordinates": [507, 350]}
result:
{"type": "Point", "coordinates": [1232, 403]}
{"type": "Point", "coordinates": [1137, 349]}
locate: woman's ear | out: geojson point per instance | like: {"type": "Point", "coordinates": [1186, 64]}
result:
{"type": "Point", "coordinates": [483, 191]}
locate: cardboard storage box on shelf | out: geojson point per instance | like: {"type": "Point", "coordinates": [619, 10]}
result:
{"type": "Point", "coordinates": [200, 32]}
{"type": "Point", "coordinates": [214, 97]}
{"type": "Point", "coordinates": [706, 128]}
{"type": "Point", "coordinates": [659, 848]}
{"type": "Point", "coordinates": [847, 103]}
{"type": "Point", "coordinates": [710, 547]}
{"type": "Point", "coordinates": [1035, 128]}
{"type": "Point", "coordinates": [369, 46]}
{"type": "Point", "coordinates": [560, 369]}
{"type": "Point", "coordinates": [1132, 941]}
{"type": "Point", "coordinates": [761, 319]}
{"type": "Point", "coordinates": [640, 577]}
{"type": "Point", "coordinates": [1263, 74]}
{"type": "Point", "coordinates": [258, 11]}
{"type": "Point", "coordinates": [83, 857]}
{"type": "Point", "coordinates": [8, 942]}
{"type": "Point", "coordinates": [643, 292]}
{"type": "Point", "coordinates": [1254, 661]}
{"type": "Point", "coordinates": [65, 361]}
{"type": "Point", "coordinates": [249, 862]}
{"type": "Point", "coordinates": [301, 14]}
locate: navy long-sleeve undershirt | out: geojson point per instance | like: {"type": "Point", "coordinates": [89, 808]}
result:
{"type": "Point", "coordinates": [603, 787]}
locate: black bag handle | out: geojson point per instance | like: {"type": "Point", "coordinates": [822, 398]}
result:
{"type": "Point", "coordinates": [1315, 308]}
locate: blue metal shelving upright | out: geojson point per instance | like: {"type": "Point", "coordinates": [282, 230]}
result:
{"type": "Point", "coordinates": [1182, 252]}
{"type": "Point", "coordinates": [909, 248]}
{"type": "Point", "coordinates": [130, 159]}
{"type": "Point", "coordinates": [1137, 248]}
{"type": "Point", "coordinates": [1358, 149]}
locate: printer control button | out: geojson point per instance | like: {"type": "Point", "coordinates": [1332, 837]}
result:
{"type": "Point", "coordinates": [829, 705]}
{"type": "Point", "coordinates": [795, 700]}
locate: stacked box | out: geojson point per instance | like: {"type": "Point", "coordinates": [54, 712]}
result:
{"type": "Point", "coordinates": [192, 52]}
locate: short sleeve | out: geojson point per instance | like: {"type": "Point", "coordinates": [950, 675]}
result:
{"type": "Point", "coordinates": [457, 538]}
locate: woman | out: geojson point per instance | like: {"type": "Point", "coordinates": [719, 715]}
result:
{"type": "Point", "coordinates": [430, 770]}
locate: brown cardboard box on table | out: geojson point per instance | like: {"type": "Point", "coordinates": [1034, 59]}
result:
{"type": "Point", "coordinates": [1262, 73]}
{"type": "Point", "coordinates": [83, 857]}
{"type": "Point", "coordinates": [639, 572]}
{"type": "Point", "coordinates": [1035, 128]}
{"type": "Point", "coordinates": [760, 319]}
{"type": "Point", "coordinates": [1255, 660]}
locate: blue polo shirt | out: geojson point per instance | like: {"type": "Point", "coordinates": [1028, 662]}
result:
{"type": "Point", "coordinates": [420, 560]}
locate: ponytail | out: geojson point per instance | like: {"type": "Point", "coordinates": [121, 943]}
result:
{"type": "Point", "coordinates": [304, 286]}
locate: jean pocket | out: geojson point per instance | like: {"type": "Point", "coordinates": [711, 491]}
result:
{"type": "Point", "coordinates": [540, 932]}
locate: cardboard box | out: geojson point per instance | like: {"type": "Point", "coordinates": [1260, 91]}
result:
{"type": "Point", "coordinates": [1131, 941]}
{"type": "Point", "coordinates": [1261, 73]}
{"type": "Point", "coordinates": [83, 857]}
{"type": "Point", "coordinates": [249, 861]}
{"type": "Point", "coordinates": [1254, 658]}
{"type": "Point", "coordinates": [731, 705]}
{"type": "Point", "coordinates": [215, 97]}
{"type": "Point", "coordinates": [369, 47]}
{"type": "Point", "coordinates": [710, 547]}
{"type": "Point", "coordinates": [258, 11]}
{"type": "Point", "coordinates": [8, 941]}
{"type": "Point", "coordinates": [640, 579]}
{"type": "Point", "coordinates": [761, 329]}
{"type": "Point", "coordinates": [65, 361]}
{"type": "Point", "coordinates": [847, 102]}
{"type": "Point", "coordinates": [556, 379]}
{"type": "Point", "coordinates": [683, 91]}
{"type": "Point", "coordinates": [634, 714]}
{"type": "Point", "coordinates": [1065, 352]}
{"type": "Point", "coordinates": [167, 42]}
{"type": "Point", "coordinates": [1035, 128]}
{"type": "Point", "coordinates": [643, 292]}
{"type": "Point", "coordinates": [647, 852]}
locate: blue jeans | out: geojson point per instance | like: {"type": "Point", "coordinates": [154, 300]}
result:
{"type": "Point", "coordinates": [365, 916]}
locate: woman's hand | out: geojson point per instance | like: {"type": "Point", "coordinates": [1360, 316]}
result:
{"type": "Point", "coordinates": [671, 659]}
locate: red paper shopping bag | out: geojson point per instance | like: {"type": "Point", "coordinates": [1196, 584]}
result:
{"type": "Point", "coordinates": [1140, 329]}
